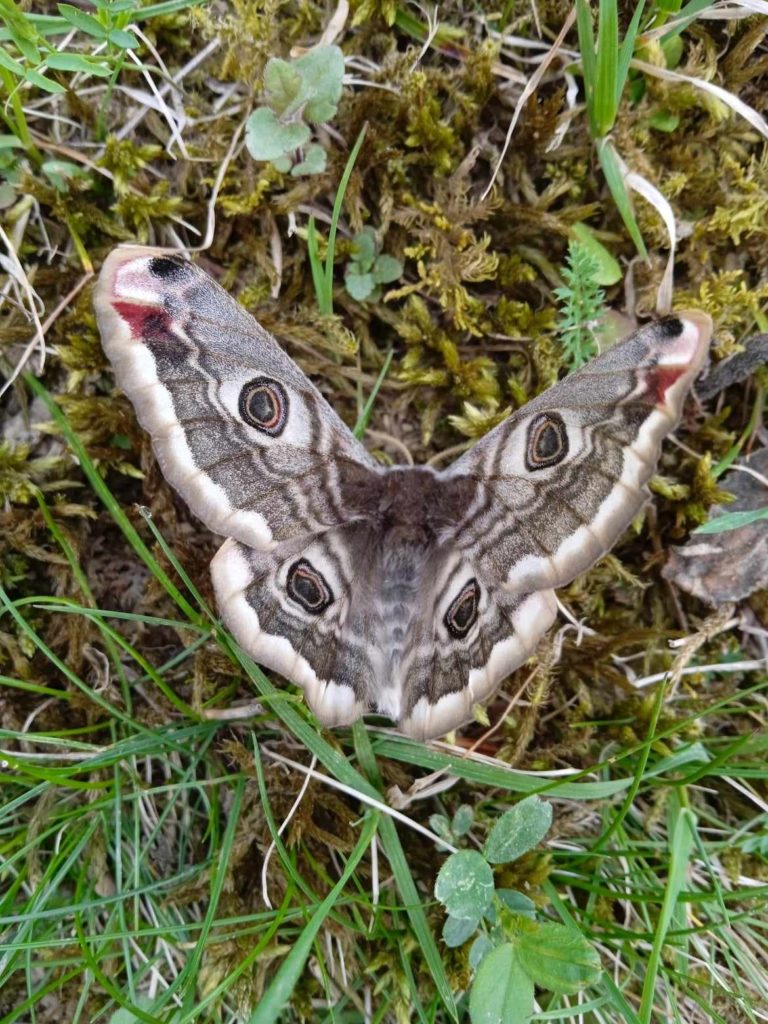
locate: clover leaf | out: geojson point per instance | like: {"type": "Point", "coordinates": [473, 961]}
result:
{"type": "Point", "coordinates": [267, 138]}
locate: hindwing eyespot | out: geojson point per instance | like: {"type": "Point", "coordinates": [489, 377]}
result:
{"type": "Point", "coordinates": [263, 404]}
{"type": "Point", "coordinates": [308, 587]}
{"type": "Point", "coordinates": [464, 609]}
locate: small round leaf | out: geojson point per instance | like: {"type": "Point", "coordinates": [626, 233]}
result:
{"type": "Point", "coordinates": [465, 884]}
{"type": "Point", "coordinates": [464, 816]}
{"type": "Point", "coordinates": [386, 269]}
{"type": "Point", "coordinates": [359, 286]}
{"type": "Point", "coordinates": [282, 84]}
{"type": "Point", "coordinates": [518, 830]}
{"type": "Point", "coordinates": [457, 930]}
{"type": "Point", "coordinates": [479, 950]}
{"type": "Point", "coordinates": [313, 163]}
{"type": "Point", "coordinates": [364, 247]}
{"type": "Point", "coordinates": [517, 902]}
{"type": "Point", "coordinates": [282, 163]}
{"type": "Point", "coordinates": [322, 71]}
{"type": "Point", "coordinates": [437, 822]}
{"type": "Point", "coordinates": [268, 138]}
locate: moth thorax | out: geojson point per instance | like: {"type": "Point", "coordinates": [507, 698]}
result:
{"type": "Point", "coordinates": [416, 505]}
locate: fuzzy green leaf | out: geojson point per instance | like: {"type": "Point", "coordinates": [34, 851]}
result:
{"type": "Point", "coordinates": [733, 521]}
{"type": "Point", "coordinates": [359, 286]}
{"type": "Point", "coordinates": [664, 121]}
{"type": "Point", "coordinates": [518, 830]}
{"type": "Point", "coordinates": [114, 6]}
{"type": "Point", "coordinates": [322, 71]}
{"type": "Point", "coordinates": [122, 1015]}
{"type": "Point", "coordinates": [607, 269]}
{"type": "Point", "coordinates": [502, 992]}
{"type": "Point", "coordinates": [282, 163]}
{"type": "Point", "coordinates": [457, 930]}
{"type": "Point", "coordinates": [517, 902]}
{"type": "Point", "coordinates": [364, 248]}
{"type": "Point", "coordinates": [59, 171]}
{"type": "Point", "coordinates": [479, 950]}
{"type": "Point", "coordinates": [267, 138]}
{"type": "Point", "coordinates": [465, 884]}
{"type": "Point", "coordinates": [282, 84]}
{"type": "Point", "coordinates": [462, 820]}
{"type": "Point", "coordinates": [386, 269]}
{"type": "Point", "coordinates": [85, 22]}
{"type": "Point", "coordinates": [556, 957]}
{"type": "Point", "coordinates": [313, 163]}
{"type": "Point", "coordinates": [440, 826]}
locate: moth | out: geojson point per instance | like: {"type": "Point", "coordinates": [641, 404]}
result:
{"type": "Point", "coordinates": [402, 589]}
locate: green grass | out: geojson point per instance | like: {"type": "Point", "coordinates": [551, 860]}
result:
{"type": "Point", "coordinates": [164, 859]}
{"type": "Point", "coordinates": [123, 857]}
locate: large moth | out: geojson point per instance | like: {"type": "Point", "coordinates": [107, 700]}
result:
{"type": "Point", "coordinates": [404, 589]}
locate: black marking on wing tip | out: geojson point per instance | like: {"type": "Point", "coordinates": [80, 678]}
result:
{"type": "Point", "coordinates": [308, 587]}
{"type": "Point", "coordinates": [670, 327]}
{"type": "Point", "coordinates": [547, 442]}
{"type": "Point", "coordinates": [263, 404]}
{"type": "Point", "coordinates": [464, 609]}
{"type": "Point", "coordinates": [168, 268]}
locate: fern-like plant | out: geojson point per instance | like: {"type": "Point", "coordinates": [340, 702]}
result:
{"type": "Point", "coordinates": [581, 306]}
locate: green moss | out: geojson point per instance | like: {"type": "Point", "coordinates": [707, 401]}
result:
{"type": "Point", "coordinates": [472, 325]}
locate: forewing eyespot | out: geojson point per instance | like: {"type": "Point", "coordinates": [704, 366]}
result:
{"type": "Point", "coordinates": [547, 441]}
{"type": "Point", "coordinates": [263, 404]}
{"type": "Point", "coordinates": [464, 609]}
{"type": "Point", "coordinates": [308, 587]}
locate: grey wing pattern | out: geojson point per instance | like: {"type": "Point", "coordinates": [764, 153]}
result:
{"type": "Point", "coordinates": [560, 480]}
{"type": "Point", "coordinates": [552, 489]}
{"type": "Point", "coordinates": [237, 428]}
{"type": "Point", "coordinates": [302, 610]}
{"type": "Point", "coordinates": [405, 590]}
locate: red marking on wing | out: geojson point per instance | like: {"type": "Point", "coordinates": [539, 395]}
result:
{"type": "Point", "coordinates": [659, 379]}
{"type": "Point", "coordinates": [148, 323]}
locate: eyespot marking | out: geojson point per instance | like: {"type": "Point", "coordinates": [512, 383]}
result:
{"type": "Point", "coordinates": [463, 612]}
{"type": "Point", "coordinates": [263, 404]}
{"type": "Point", "coordinates": [308, 587]}
{"type": "Point", "coordinates": [167, 268]}
{"type": "Point", "coordinates": [547, 441]}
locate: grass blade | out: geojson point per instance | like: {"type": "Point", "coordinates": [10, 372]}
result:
{"type": "Point", "coordinates": [681, 844]}
{"type": "Point", "coordinates": [365, 415]}
{"type": "Point", "coordinates": [626, 51]}
{"type": "Point", "coordinates": [281, 988]}
{"type": "Point", "coordinates": [337, 213]}
{"type": "Point", "coordinates": [605, 99]}
{"type": "Point", "coordinates": [588, 59]}
{"type": "Point", "coordinates": [614, 176]}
